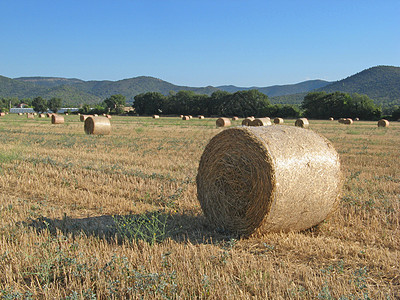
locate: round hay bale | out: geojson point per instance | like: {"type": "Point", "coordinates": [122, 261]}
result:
{"type": "Point", "coordinates": [30, 116]}
{"type": "Point", "coordinates": [48, 115]}
{"type": "Point", "coordinates": [261, 122]}
{"type": "Point", "coordinates": [341, 120]}
{"type": "Point", "coordinates": [268, 179]}
{"type": "Point", "coordinates": [383, 123]}
{"type": "Point", "coordinates": [331, 119]}
{"type": "Point", "coordinates": [57, 119]}
{"type": "Point", "coordinates": [302, 122]}
{"type": "Point", "coordinates": [201, 117]}
{"type": "Point", "coordinates": [247, 121]}
{"type": "Point", "coordinates": [190, 117]}
{"type": "Point", "coordinates": [20, 114]}
{"type": "Point", "coordinates": [156, 116]}
{"type": "Point", "coordinates": [181, 116]}
{"type": "Point", "coordinates": [357, 119]}
{"type": "Point", "coordinates": [66, 114]}
{"type": "Point", "coordinates": [104, 115]}
{"type": "Point", "coordinates": [42, 116]}
{"type": "Point", "coordinates": [185, 118]}
{"type": "Point", "coordinates": [348, 121]}
{"type": "Point", "coordinates": [97, 125]}
{"type": "Point", "coordinates": [108, 116]}
{"type": "Point", "coordinates": [82, 118]}
{"type": "Point", "coordinates": [278, 121]}
{"type": "Point", "coordinates": [223, 122]}
{"type": "Point", "coordinates": [2, 114]}
{"type": "Point", "coordinates": [95, 115]}
{"type": "Point", "coordinates": [235, 118]}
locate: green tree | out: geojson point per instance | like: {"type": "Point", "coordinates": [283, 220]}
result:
{"type": "Point", "coordinates": [115, 103]}
{"type": "Point", "coordinates": [244, 103]}
{"type": "Point", "coordinates": [39, 104]}
{"type": "Point", "coordinates": [54, 104]}
{"type": "Point", "coordinates": [150, 103]}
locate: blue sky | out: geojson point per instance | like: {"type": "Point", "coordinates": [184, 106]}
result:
{"type": "Point", "coordinates": [198, 43]}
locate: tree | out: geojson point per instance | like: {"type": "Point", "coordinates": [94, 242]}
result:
{"type": "Point", "coordinates": [39, 104]}
{"type": "Point", "coordinates": [54, 104]}
{"type": "Point", "coordinates": [115, 103]}
{"type": "Point", "coordinates": [244, 103]}
{"type": "Point", "coordinates": [149, 103]}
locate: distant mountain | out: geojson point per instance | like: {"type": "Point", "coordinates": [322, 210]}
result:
{"type": "Point", "coordinates": [280, 90]}
{"type": "Point", "coordinates": [49, 81]}
{"type": "Point", "coordinates": [380, 83]}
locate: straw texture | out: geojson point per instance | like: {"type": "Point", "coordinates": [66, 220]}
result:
{"type": "Point", "coordinates": [97, 125]}
{"type": "Point", "coordinates": [57, 119]}
{"type": "Point", "coordinates": [268, 179]}
{"type": "Point", "coordinates": [82, 118]}
{"type": "Point", "coordinates": [278, 121]}
{"type": "Point", "coordinates": [302, 122]}
{"type": "Point", "coordinates": [223, 122]}
{"type": "Point", "coordinates": [247, 121]}
{"type": "Point", "coordinates": [261, 122]}
{"type": "Point", "coordinates": [383, 123]}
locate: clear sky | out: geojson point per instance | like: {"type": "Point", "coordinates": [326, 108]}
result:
{"type": "Point", "coordinates": [198, 43]}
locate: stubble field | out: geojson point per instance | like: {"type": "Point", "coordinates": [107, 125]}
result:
{"type": "Point", "coordinates": [99, 217]}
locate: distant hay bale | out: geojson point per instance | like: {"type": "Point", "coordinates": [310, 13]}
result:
{"type": "Point", "coordinates": [302, 122]}
{"type": "Point", "coordinates": [247, 121]}
{"type": "Point", "coordinates": [30, 116]}
{"type": "Point", "coordinates": [2, 114]}
{"type": "Point", "coordinates": [35, 114]}
{"type": "Point", "coordinates": [201, 117]}
{"type": "Point", "coordinates": [57, 119]}
{"type": "Point", "coordinates": [261, 122]}
{"type": "Point", "coordinates": [341, 120]}
{"type": "Point", "coordinates": [331, 119]}
{"type": "Point", "coordinates": [20, 114]}
{"type": "Point", "coordinates": [357, 119]}
{"type": "Point", "coordinates": [235, 118]}
{"type": "Point", "coordinates": [268, 179]}
{"type": "Point", "coordinates": [97, 125]}
{"type": "Point", "coordinates": [104, 115]}
{"type": "Point", "coordinates": [185, 118]}
{"type": "Point", "coordinates": [348, 121]}
{"type": "Point", "coordinates": [223, 122]}
{"type": "Point", "coordinates": [278, 121]}
{"type": "Point", "coordinates": [190, 117]}
{"type": "Point", "coordinates": [383, 123]}
{"type": "Point", "coordinates": [95, 115]}
{"type": "Point", "coordinates": [79, 114]}
{"type": "Point", "coordinates": [156, 116]}
{"type": "Point", "coordinates": [82, 118]}
{"type": "Point", "coordinates": [66, 114]}
{"type": "Point", "coordinates": [108, 116]}
{"type": "Point", "coordinates": [42, 116]}
{"type": "Point", "coordinates": [181, 116]}
{"type": "Point", "coordinates": [48, 115]}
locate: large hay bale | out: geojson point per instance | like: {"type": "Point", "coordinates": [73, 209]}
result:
{"type": "Point", "coordinates": [302, 122]}
{"type": "Point", "coordinates": [348, 121]}
{"type": "Point", "coordinates": [247, 121]}
{"type": "Point", "coordinates": [383, 123]}
{"type": "Point", "coordinates": [82, 118]}
{"type": "Point", "coordinates": [223, 122]}
{"type": "Point", "coordinates": [156, 116]}
{"type": "Point", "coordinates": [97, 125]}
{"type": "Point", "coordinates": [185, 118]}
{"type": "Point", "coordinates": [278, 121]}
{"type": "Point", "coordinates": [261, 122]}
{"type": "Point", "coordinates": [57, 119]}
{"type": "Point", "coordinates": [268, 179]}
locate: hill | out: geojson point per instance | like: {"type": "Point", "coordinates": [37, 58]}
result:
{"type": "Point", "coordinates": [280, 90]}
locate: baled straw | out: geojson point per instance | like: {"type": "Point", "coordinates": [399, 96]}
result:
{"type": "Point", "coordinates": [278, 121]}
{"type": "Point", "coordinates": [2, 114]}
{"type": "Point", "coordinates": [348, 121]}
{"type": "Point", "coordinates": [261, 122]}
{"type": "Point", "coordinates": [20, 114]}
{"type": "Point", "coordinates": [247, 121]}
{"type": "Point", "coordinates": [49, 115]}
{"type": "Point", "coordinates": [383, 123]}
{"type": "Point", "coordinates": [190, 117]}
{"type": "Point", "coordinates": [57, 119]}
{"type": "Point", "coordinates": [201, 117]}
{"type": "Point", "coordinates": [97, 125]}
{"type": "Point", "coordinates": [108, 116]}
{"type": "Point", "coordinates": [181, 116]}
{"type": "Point", "coordinates": [302, 122]}
{"type": "Point", "coordinates": [30, 116]}
{"type": "Point", "coordinates": [42, 116]}
{"type": "Point", "coordinates": [156, 116]}
{"type": "Point", "coordinates": [82, 118]}
{"type": "Point", "coordinates": [235, 118]}
{"type": "Point", "coordinates": [223, 122]}
{"type": "Point", "coordinates": [341, 120]}
{"type": "Point", "coordinates": [357, 119]}
{"type": "Point", "coordinates": [268, 179]}
{"type": "Point", "coordinates": [331, 119]}
{"type": "Point", "coordinates": [185, 118]}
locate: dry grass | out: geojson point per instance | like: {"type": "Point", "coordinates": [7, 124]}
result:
{"type": "Point", "coordinates": [86, 216]}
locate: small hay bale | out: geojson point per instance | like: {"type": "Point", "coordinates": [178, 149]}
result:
{"type": "Point", "coordinates": [2, 114]}
{"type": "Point", "coordinates": [383, 123]}
{"type": "Point", "coordinates": [247, 121]}
{"type": "Point", "coordinates": [156, 116]}
{"type": "Point", "coordinates": [235, 118]}
{"type": "Point", "coordinates": [181, 116]}
{"type": "Point", "coordinates": [185, 118]}
{"type": "Point", "coordinates": [42, 116]}
{"type": "Point", "coordinates": [223, 122]}
{"type": "Point", "coordinates": [82, 118]}
{"type": "Point", "coordinates": [331, 119]}
{"type": "Point", "coordinates": [357, 119]}
{"type": "Point", "coordinates": [190, 117]}
{"type": "Point", "coordinates": [104, 115]}
{"type": "Point", "coordinates": [57, 119]}
{"type": "Point", "coordinates": [278, 121]}
{"type": "Point", "coordinates": [341, 120]}
{"type": "Point", "coordinates": [35, 114]}
{"type": "Point", "coordinates": [108, 116]}
{"type": "Point", "coordinates": [66, 114]}
{"type": "Point", "coordinates": [97, 125]}
{"type": "Point", "coordinates": [201, 117]}
{"type": "Point", "coordinates": [268, 179]}
{"type": "Point", "coordinates": [348, 121]}
{"type": "Point", "coordinates": [30, 116]}
{"type": "Point", "coordinates": [302, 122]}
{"type": "Point", "coordinates": [95, 115]}
{"type": "Point", "coordinates": [48, 115]}
{"type": "Point", "coordinates": [261, 122]}
{"type": "Point", "coordinates": [20, 114]}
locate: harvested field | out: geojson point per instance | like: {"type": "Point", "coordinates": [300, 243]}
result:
{"type": "Point", "coordinates": [117, 216]}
